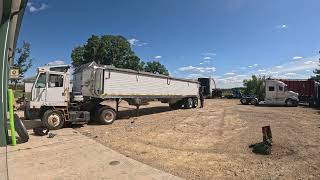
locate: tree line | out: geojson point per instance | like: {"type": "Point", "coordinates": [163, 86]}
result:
{"type": "Point", "coordinates": [113, 50]}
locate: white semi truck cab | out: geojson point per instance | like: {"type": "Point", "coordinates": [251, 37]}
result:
{"type": "Point", "coordinates": [276, 93]}
{"type": "Point", "coordinates": [55, 102]}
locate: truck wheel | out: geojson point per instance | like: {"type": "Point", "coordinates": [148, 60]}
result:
{"type": "Point", "coordinates": [188, 103]}
{"type": "Point", "coordinates": [195, 102]}
{"type": "Point", "coordinates": [53, 119]}
{"type": "Point", "coordinates": [291, 102]}
{"type": "Point", "coordinates": [253, 102]}
{"type": "Point", "coordinates": [106, 115]}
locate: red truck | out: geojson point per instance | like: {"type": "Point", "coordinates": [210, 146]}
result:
{"type": "Point", "coordinates": [308, 89]}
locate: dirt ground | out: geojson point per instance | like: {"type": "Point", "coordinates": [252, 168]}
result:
{"type": "Point", "coordinates": [212, 143]}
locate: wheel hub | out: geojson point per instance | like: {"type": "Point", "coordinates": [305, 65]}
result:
{"type": "Point", "coordinates": [54, 120]}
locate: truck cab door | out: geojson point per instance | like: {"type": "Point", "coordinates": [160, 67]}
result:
{"type": "Point", "coordinates": [39, 88]}
{"type": "Point", "coordinates": [58, 89]}
{"type": "Point", "coordinates": [281, 96]}
{"type": "Point", "coordinates": [271, 94]}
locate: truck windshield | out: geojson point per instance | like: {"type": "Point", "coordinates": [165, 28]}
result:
{"type": "Point", "coordinates": [41, 82]}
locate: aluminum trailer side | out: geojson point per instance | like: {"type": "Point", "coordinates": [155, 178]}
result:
{"type": "Point", "coordinates": [98, 81]}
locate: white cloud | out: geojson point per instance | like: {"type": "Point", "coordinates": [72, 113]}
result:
{"type": "Point", "coordinates": [197, 69]}
{"type": "Point", "coordinates": [281, 26]}
{"type": "Point", "coordinates": [209, 54]}
{"type": "Point", "coordinates": [229, 74]}
{"type": "Point", "coordinates": [133, 41]}
{"type": "Point", "coordinates": [33, 8]}
{"type": "Point", "coordinates": [232, 81]}
{"type": "Point", "coordinates": [279, 67]}
{"type": "Point", "coordinates": [297, 57]}
{"type": "Point", "coordinates": [136, 42]}
{"type": "Point", "coordinates": [56, 62]}
{"type": "Point", "coordinates": [158, 57]}
{"type": "Point", "coordinates": [310, 62]}
{"type": "Point", "coordinates": [255, 65]}
{"type": "Point", "coordinates": [250, 66]}
{"type": "Point", "coordinates": [290, 74]}
{"type": "Point", "coordinates": [207, 58]}
{"type": "Point", "coordinates": [261, 70]}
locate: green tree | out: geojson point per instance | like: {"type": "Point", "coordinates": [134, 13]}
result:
{"type": "Point", "coordinates": [23, 61]}
{"type": "Point", "coordinates": [107, 50]}
{"type": "Point", "coordinates": [156, 67]}
{"type": "Point", "coordinates": [255, 86]}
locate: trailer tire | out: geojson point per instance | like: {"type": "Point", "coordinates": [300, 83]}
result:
{"type": "Point", "coordinates": [244, 101]}
{"type": "Point", "coordinates": [188, 104]}
{"type": "Point", "coordinates": [53, 119]}
{"type": "Point", "coordinates": [195, 102]}
{"type": "Point", "coordinates": [106, 115]}
{"type": "Point", "coordinates": [21, 129]}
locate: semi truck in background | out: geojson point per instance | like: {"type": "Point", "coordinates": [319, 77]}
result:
{"type": "Point", "coordinates": [308, 90]}
{"type": "Point", "coordinates": [55, 103]}
{"type": "Point", "coordinates": [276, 93]}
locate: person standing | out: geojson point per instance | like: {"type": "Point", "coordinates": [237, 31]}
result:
{"type": "Point", "coordinates": [201, 98]}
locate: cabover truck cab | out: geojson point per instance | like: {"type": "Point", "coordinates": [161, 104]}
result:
{"type": "Point", "coordinates": [276, 93]}
{"type": "Point", "coordinates": [55, 102]}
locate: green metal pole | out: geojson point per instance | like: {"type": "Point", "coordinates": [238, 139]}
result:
{"type": "Point", "coordinates": [11, 117]}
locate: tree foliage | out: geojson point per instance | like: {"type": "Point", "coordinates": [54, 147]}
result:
{"type": "Point", "coordinates": [156, 67]}
{"type": "Point", "coordinates": [112, 50]}
{"type": "Point", "coordinates": [255, 86]}
{"type": "Point", "coordinates": [23, 61]}
{"type": "Point", "coordinates": [107, 50]}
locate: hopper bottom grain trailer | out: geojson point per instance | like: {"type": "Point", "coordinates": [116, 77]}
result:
{"type": "Point", "coordinates": [55, 103]}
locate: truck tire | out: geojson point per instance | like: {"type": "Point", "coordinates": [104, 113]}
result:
{"type": "Point", "coordinates": [188, 104]}
{"type": "Point", "coordinates": [195, 102]}
{"type": "Point", "coordinates": [53, 119]}
{"type": "Point", "coordinates": [21, 129]}
{"type": "Point", "coordinates": [106, 115]}
{"type": "Point", "coordinates": [291, 103]}
{"type": "Point", "coordinates": [253, 101]}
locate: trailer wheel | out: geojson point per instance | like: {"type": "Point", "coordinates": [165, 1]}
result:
{"type": "Point", "coordinates": [244, 101]}
{"type": "Point", "coordinates": [188, 103]}
{"type": "Point", "coordinates": [195, 102]}
{"type": "Point", "coordinates": [53, 119]}
{"type": "Point", "coordinates": [106, 115]}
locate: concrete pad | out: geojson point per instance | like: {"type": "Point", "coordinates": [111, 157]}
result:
{"type": "Point", "coordinates": [70, 155]}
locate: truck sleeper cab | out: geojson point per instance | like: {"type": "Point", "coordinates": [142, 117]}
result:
{"type": "Point", "coordinates": [276, 93]}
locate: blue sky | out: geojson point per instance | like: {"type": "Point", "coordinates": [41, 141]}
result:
{"type": "Point", "coordinates": [225, 39]}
